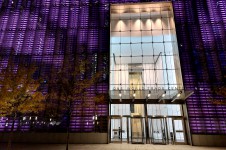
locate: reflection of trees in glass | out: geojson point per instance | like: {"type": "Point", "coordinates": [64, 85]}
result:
{"type": "Point", "coordinates": [220, 91]}
{"type": "Point", "coordinates": [19, 94]}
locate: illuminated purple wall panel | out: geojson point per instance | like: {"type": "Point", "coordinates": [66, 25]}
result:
{"type": "Point", "coordinates": [45, 31]}
{"type": "Point", "coordinates": [199, 47]}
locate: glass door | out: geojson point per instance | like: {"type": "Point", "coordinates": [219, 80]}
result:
{"type": "Point", "coordinates": [158, 130]}
{"type": "Point", "coordinates": [137, 129]}
{"type": "Point", "coordinates": [116, 128]}
{"type": "Point", "coordinates": [126, 128]}
{"type": "Point", "coordinates": [178, 130]}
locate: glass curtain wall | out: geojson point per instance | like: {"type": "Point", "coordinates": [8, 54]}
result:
{"type": "Point", "coordinates": [143, 48]}
{"type": "Point", "coordinates": [144, 57]}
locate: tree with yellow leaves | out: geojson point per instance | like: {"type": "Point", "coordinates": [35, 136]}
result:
{"type": "Point", "coordinates": [19, 93]}
{"type": "Point", "coordinates": [73, 84]}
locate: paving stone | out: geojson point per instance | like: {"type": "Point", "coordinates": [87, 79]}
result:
{"type": "Point", "coordinates": [124, 146]}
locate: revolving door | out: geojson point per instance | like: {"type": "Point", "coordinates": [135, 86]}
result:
{"type": "Point", "coordinates": [167, 130]}
{"type": "Point", "coordinates": [158, 130]}
{"type": "Point", "coordinates": [132, 126]}
{"type": "Point", "coordinates": [116, 128]}
{"type": "Point", "coordinates": [137, 130]}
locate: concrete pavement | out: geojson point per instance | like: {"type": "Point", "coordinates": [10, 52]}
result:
{"type": "Point", "coordinates": [123, 146]}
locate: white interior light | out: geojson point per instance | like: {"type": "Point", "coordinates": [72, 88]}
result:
{"type": "Point", "coordinates": [149, 95]}
{"type": "Point", "coordinates": [179, 94]}
{"type": "Point", "coordinates": [164, 94]}
{"type": "Point", "coordinates": [176, 96]}
{"type": "Point", "coordinates": [134, 94]}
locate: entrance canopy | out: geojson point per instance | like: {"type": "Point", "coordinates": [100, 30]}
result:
{"type": "Point", "coordinates": [153, 96]}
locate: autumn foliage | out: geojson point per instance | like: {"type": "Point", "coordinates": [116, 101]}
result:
{"type": "Point", "coordinates": [19, 91]}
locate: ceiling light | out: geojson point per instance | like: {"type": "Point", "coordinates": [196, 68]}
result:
{"type": "Point", "coordinates": [164, 94]}
{"type": "Point", "coordinates": [120, 94]}
{"type": "Point", "coordinates": [134, 94]}
{"type": "Point", "coordinates": [149, 94]}
{"type": "Point", "coordinates": [179, 94]}
{"type": "Point", "coordinates": [176, 96]}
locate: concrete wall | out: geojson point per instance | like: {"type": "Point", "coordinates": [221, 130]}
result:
{"type": "Point", "coordinates": [81, 138]}
{"type": "Point", "coordinates": [208, 140]}
{"type": "Point", "coordinates": [98, 138]}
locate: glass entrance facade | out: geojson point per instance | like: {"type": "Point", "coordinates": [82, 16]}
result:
{"type": "Point", "coordinates": [143, 49]}
{"type": "Point", "coordinates": [145, 73]}
{"type": "Point", "coordinates": [144, 58]}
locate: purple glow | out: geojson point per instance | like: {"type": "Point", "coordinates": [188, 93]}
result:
{"type": "Point", "coordinates": [52, 30]}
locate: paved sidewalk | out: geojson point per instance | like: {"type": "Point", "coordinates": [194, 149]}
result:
{"type": "Point", "coordinates": [107, 147]}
